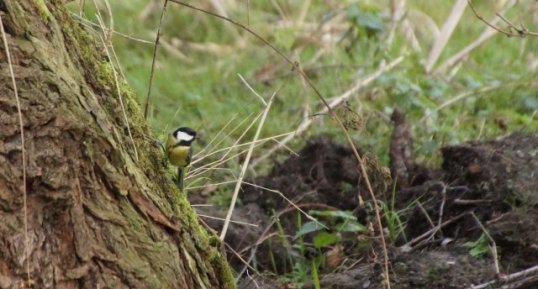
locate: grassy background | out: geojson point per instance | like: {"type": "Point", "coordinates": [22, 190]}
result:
{"type": "Point", "coordinates": [196, 81]}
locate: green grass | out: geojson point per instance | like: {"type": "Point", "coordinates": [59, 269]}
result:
{"type": "Point", "coordinates": [203, 90]}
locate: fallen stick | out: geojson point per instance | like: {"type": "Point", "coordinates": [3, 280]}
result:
{"type": "Point", "coordinates": [512, 281]}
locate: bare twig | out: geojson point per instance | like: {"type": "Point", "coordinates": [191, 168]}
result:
{"type": "Point", "coordinates": [397, 11]}
{"type": "Point", "coordinates": [247, 263]}
{"type": "Point", "coordinates": [512, 281]}
{"type": "Point", "coordinates": [292, 204]}
{"type": "Point", "coordinates": [155, 48]}
{"type": "Point", "coordinates": [23, 152]}
{"type": "Point", "coordinates": [425, 213]}
{"type": "Point", "coordinates": [108, 34]}
{"type": "Point", "coordinates": [471, 202]}
{"type": "Point", "coordinates": [253, 280]}
{"type": "Point", "coordinates": [81, 4]}
{"type": "Point", "coordinates": [216, 136]}
{"type": "Point", "coordinates": [520, 31]}
{"type": "Point", "coordinates": [431, 231]}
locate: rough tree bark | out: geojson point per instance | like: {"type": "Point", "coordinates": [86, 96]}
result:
{"type": "Point", "coordinates": [99, 216]}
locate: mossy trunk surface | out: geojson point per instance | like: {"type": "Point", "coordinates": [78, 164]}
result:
{"type": "Point", "coordinates": [99, 215]}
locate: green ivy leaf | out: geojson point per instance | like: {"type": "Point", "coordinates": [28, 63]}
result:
{"type": "Point", "coordinates": [325, 239]}
{"type": "Point", "coordinates": [309, 227]}
{"type": "Point", "coordinates": [346, 215]}
{"type": "Point", "coordinates": [285, 38]}
{"type": "Point", "coordinates": [352, 227]}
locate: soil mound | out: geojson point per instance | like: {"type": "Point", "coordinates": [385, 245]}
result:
{"type": "Point", "coordinates": [482, 201]}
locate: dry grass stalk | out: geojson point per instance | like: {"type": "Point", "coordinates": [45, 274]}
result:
{"type": "Point", "coordinates": [118, 90]}
{"type": "Point", "coordinates": [222, 219]}
{"type": "Point", "coordinates": [155, 47]}
{"type": "Point", "coordinates": [397, 9]}
{"type": "Point", "coordinates": [89, 23]}
{"type": "Point", "coordinates": [223, 158]}
{"type": "Point", "coordinates": [174, 51]}
{"type": "Point", "coordinates": [446, 32]}
{"type": "Point", "coordinates": [486, 35]}
{"type": "Point", "coordinates": [460, 97]}
{"type": "Point", "coordinates": [244, 168]}
{"type": "Point", "coordinates": [217, 136]}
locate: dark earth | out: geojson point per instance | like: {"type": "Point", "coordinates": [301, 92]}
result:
{"type": "Point", "coordinates": [484, 190]}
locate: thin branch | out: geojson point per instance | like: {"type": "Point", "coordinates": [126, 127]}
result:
{"type": "Point", "coordinates": [431, 231]}
{"type": "Point", "coordinates": [520, 31]}
{"type": "Point", "coordinates": [155, 48]}
{"type": "Point", "coordinates": [108, 35]}
{"type": "Point", "coordinates": [442, 206]}
{"type": "Point", "coordinates": [513, 281]}
{"type": "Point", "coordinates": [23, 152]}
{"type": "Point", "coordinates": [292, 204]}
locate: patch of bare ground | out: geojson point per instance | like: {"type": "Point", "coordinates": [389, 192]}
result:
{"type": "Point", "coordinates": [483, 188]}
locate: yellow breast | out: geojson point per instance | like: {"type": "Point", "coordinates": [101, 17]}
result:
{"type": "Point", "coordinates": [179, 156]}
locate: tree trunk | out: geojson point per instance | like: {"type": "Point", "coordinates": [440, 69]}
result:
{"type": "Point", "coordinates": [100, 214]}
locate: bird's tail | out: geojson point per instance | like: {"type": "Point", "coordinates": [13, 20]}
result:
{"type": "Point", "coordinates": [180, 179]}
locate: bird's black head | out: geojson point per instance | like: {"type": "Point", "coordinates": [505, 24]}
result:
{"type": "Point", "coordinates": [185, 135]}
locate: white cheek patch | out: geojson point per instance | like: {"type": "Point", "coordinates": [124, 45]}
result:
{"type": "Point", "coordinates": [181, 136]}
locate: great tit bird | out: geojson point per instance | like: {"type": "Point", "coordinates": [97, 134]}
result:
{"type": "Point", "coordinates": [178, 150]}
